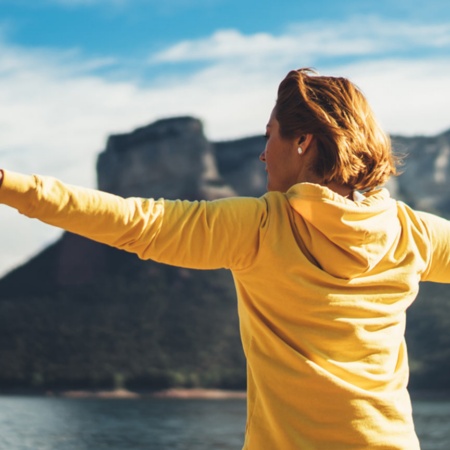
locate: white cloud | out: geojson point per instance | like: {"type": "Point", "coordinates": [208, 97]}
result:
{"type": "Point", "coordinates": [367, 36]}
{"type": "Point", "coordinates": [225, 44]}
{"type": "Point", "coordinates": [56, 110]}
{"type": "Point", "coordinates": [408, 96]}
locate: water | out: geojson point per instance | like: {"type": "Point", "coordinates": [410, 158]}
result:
{"type": "Point", "coordinates": [39, 423]}
{"type": "Point", "coordinates": [432, 422]}
{"type": "Point", "coordinates": [92, 424]}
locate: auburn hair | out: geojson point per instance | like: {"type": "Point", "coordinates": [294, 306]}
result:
{"type": "Point", "coordinates": [353, 150]}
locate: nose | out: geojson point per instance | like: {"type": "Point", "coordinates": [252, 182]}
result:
{"type": "Point", "coordinates": [262, 156]}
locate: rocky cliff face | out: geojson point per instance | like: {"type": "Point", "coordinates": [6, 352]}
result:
{"type": "Point", "coordinates": [172, 158]}
{"type": "Point", "coordinates": [425, 179]}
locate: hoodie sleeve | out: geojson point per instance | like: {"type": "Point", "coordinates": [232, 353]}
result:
{"type": "Point", "coordinates": [202, 235]}
{"type": "Point", "coordinates": [438, 230]}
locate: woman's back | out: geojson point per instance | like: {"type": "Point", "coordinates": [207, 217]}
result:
{"type": "Point", "coordinates": [324, 333]}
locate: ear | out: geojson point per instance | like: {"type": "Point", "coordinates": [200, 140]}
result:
{"type": "Point", "coordinates": [305, 141]}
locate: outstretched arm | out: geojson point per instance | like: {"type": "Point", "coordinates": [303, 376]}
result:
{"type": "Point", "coordinates": [204, 235]}
{"type": "Point", "coordinates": [438, 230]}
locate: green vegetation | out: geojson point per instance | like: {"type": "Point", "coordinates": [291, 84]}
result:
{"type": "Point", "coordinates": [146, 326]}
{"type": "Point", "coordinates": [428, 338]}
{"type": "Point", "coordinates": [175, 330]}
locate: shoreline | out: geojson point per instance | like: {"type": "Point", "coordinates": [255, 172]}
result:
{"type": "Point", "coordinates": [170, 393]}
{"type": "Point", "coordinates": [199, 393]}
{"type": "Point", "coordinates": [177, 393]}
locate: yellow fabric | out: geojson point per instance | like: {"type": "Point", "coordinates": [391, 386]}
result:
{"type": "Point", "coordinates": [323, 284]}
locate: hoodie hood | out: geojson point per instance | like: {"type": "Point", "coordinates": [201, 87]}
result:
{"type": "Point", "coordinates": [345, 238]}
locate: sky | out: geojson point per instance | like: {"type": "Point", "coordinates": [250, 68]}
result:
{"type": "Point", "coordinates": [73, 72]}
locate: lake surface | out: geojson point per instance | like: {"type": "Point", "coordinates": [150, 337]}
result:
{"type": "Point", "coordinates": [41, 423]}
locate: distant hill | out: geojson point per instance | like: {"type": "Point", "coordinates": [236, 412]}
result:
{"type": "Point", "coordinates": [81, 314]}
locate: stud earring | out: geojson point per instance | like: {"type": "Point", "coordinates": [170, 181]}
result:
{"type": "Point", "coordinates": [300, 150]}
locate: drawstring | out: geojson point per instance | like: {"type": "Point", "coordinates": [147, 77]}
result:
{"type": "Point", "coordinates": [358, 197]}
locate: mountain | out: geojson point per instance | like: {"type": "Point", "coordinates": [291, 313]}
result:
{"type": "Point", "coordinates": [81, 314]}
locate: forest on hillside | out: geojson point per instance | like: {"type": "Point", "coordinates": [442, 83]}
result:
{"type": "Point", "coordinates": [166, 327]}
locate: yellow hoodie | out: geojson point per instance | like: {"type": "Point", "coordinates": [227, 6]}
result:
{"type": "Point", "coordinates": [323, 284]}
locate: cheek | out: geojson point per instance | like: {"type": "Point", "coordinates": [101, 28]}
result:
{"type": "Point", "coordinates": [272, 151]}
{"type": "Point", "coordinates": [271, 159]}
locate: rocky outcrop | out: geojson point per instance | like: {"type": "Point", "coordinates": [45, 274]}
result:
{"type": "Point", "coordinates": [170, 158]}
{"type": "Point", "coordinates": [425, 179]}
{"type": "Point", "coordinates": [239, 165]}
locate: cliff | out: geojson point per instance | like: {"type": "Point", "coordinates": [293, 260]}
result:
{"type": "Point", "coordinates": [425, 180]}
{"type": "Point", "coordinates": [170, 158]}
{"type": "Point", "coordinates": [82, 314]}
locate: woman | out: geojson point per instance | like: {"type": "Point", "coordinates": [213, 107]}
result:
{"type": "Point", "coordinates": [324, 273]}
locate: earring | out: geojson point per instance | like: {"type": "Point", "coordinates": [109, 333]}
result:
{"type": "Point", "coordinates": [300, 150]}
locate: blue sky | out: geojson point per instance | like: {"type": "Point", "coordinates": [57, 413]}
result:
{"type": "Point", "coordinates": [74, 71]}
